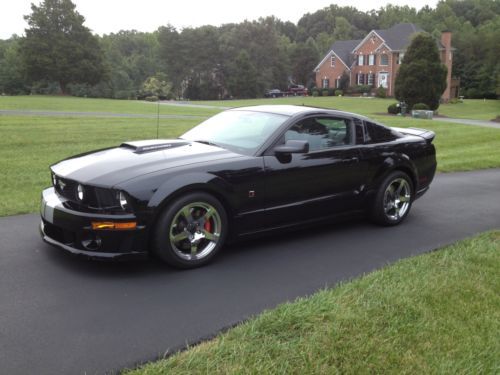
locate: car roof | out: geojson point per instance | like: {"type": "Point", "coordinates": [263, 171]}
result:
{"type": "Point", "coordinates": [292, 110]}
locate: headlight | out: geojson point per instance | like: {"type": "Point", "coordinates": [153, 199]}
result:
{"type": "Point", "coordinates": [123, 200]}
{"type": "Point", "coordinates": [80, 192]}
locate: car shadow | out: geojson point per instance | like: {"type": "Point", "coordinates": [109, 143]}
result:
{"type": "Point", "coordinates": [233, 255]}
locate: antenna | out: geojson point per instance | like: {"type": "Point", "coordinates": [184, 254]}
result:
{"type": "Point", "coordinates": [158, 119]}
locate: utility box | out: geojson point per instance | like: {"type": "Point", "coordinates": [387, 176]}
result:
{"type": "Point", "coordinates": [422, 113]}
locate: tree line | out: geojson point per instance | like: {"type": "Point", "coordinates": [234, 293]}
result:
{"type": "Point", "coordinates": [58, 54]}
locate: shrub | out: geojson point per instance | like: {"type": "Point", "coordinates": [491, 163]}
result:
{"type": "Point", "coordinates": [420, 106]}
{"type": "Point", "coordinates": [324, 92]}
{"type": "Point", "coordinates": [315, 92]}
{"type": "Point", "coordinates": [331, 92]}
{"type": "Point", "coordinates": [339, 93]}
{"type": "Point", "coordinates": [381, 92]}
{"type": "Point", "coordinates": [394, 109]}
{"type": "Point", "coordinates": [152, 98]}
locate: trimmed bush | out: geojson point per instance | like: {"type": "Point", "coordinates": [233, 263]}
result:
{"type": "Point", "coordinates": [315, 92]}
{"type": "Point", "coordinates": [381, 92]}
{"type": "Point", "coordinates": [152, 98]}
{"type": "Point", "coordinates": [394, 109]}
{"type": "Point", "coordinates": [420, 106]}
{"type": "Point", "coordinates": [324, 92]}
{"type": "Point", "coordinates": [339, 93]}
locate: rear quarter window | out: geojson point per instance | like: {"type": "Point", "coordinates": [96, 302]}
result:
{"type": "Point", "coordinates": [376, 133]}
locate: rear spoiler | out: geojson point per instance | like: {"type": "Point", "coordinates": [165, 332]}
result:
{"type": "Point", "coordinates": [428, 135]}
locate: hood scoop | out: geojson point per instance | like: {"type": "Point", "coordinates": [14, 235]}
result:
{"type": "Point", "coordinates": [141, 147]}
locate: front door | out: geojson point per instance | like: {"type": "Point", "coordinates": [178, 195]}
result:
{"type": "Point", "coordinates": [322, 182]}
{"type": "Point", "coordinates": [383, 79]}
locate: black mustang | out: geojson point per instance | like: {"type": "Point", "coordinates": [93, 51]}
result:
{"type": "Point", "coordinates": [241, 172]}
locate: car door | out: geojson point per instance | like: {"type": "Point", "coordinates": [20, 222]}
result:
{"type": "Point", "coordinates": [322, 182]}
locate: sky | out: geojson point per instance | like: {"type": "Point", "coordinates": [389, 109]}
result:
{"type": "Point", "coordinates": [107, 16]}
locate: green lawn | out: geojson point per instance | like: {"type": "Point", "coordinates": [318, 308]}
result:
{"type": "Point", "coordinates": [437, 313]}
{"type": "Point", "coordinates": [29, 144]}
{"type": "Point", "coordinates": [73, 104]}
{"type": "Point", "coordinates": [470, 108]}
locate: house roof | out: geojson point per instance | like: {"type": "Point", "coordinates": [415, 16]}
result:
{"type": "Point", "coordinates": [343, 49]}
{"type": "Point", "coordinates": [398, 37]}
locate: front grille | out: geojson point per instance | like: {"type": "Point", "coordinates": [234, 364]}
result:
{"type": "Point", "coordinates": [94, 197]}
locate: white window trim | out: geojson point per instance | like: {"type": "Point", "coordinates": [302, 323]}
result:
{"type": "Point", "coordinates": [371, 59]}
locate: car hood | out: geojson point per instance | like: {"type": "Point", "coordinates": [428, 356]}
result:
{"type": "Point", "coordinates": [132, 159]}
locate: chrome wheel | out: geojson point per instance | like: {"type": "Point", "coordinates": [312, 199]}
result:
{"type": "Point", "coordinates": [397, 199]}
{"type": "Point", "coordinates": [195, 231]}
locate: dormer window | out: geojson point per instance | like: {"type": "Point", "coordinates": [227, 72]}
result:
{"type": "Point", "coordinates": [332, 61]}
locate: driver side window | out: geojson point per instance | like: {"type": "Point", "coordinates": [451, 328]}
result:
{"type": "Point", "coordinates": [321, 132]}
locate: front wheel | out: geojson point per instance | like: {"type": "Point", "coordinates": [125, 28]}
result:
{"type": "Point", "coordinates": [190, 231]}
{"type": "Point", "coordinates": [393, 199]}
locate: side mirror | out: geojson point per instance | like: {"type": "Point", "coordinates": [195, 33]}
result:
{"type": "Point", "coordinates": [293, 147]}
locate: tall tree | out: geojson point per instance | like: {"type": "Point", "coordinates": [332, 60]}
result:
{"type": "Point", "coordinates": [422, 76]}
{"type": "Point", "coordinates": [59, 48]}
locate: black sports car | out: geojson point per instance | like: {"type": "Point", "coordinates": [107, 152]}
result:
{"type": "Point", "coordinates": [241, 172]}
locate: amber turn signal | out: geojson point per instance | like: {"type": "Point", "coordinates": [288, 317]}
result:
{"type": "Point", "coordinates": [99, 225]}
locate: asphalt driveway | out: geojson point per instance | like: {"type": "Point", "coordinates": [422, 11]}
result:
{"type": "Point", "coordinates": [64, 315]}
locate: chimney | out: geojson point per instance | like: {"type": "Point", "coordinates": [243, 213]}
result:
{"type": "Point", "coordinates": [447, 59]}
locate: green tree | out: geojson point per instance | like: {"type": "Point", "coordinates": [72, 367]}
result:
{"type": "Point", "coordinates": [304, 58]}
{"type": "Point", "coordinates": [59, 48]}
{"type": "Point", "coordinates": [422, 76]}
{"type": "Point", "coordinates": [12, 80]}
{"type": "Point", "coordinates": [157, 86]}
{"type": "Point", "coordinates": [242, 81]}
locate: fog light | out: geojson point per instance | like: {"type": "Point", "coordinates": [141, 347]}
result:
{"type": "Point", "coordinates": [91, 242]}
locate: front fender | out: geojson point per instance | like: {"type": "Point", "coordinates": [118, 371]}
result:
{"type": "Point", "coordinates": [188, 182]}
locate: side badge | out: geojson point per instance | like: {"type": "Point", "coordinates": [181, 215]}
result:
{"type": "Point", "coordinates": [251, 194]}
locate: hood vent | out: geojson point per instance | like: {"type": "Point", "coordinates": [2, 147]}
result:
{"type": "Point", "coordinates": [141, 147]}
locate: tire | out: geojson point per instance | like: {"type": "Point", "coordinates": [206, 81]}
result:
{"type": "Point", "coordinates": [393, 199]}
{"type": "Point", "coordinates": [185, 236]}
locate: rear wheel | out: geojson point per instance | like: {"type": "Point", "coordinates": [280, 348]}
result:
{"type": "Point", "coordinates": [393, 199]}
{"type": "Point", "coordinates": [191, 231]}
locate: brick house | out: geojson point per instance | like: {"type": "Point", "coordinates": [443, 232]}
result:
{"type": "Point", "coordinates": [375, 59]}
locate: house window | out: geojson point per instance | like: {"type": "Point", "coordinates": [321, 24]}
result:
{"type": "Point", "coordinates": [332, 61]}
{"type": "Point", "coordinates": [400, 57]}
{"type": "Point", "coordinates": [371, 79]}
{"type": "Point", "coordinates": [337, 83]}
{"type": "Point", "coordinates": [361, 60]}
{"type": "Point", "coordinates": [361, 79]}
{"type": "Point", "coordinates": [325, 83]}
{"type": "Point", "coordinates": [371, 60]}
{"type": "Point", "coordinates": [384, 59]}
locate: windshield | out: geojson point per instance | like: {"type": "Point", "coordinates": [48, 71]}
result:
{"type": "Point", "coordinates": [239, 131]}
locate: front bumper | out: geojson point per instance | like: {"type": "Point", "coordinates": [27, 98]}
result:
{"type": "Point", "coordinates": [72, 231]}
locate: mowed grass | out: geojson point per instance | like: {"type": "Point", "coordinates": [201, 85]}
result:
{"type": "Point", "coordinates": [469, 109]}
{"type": "Point", "coordinates": [29, 145]}
{"type": "Point", "coordinates": [73, 104]}
{"type": "Point", "coordinates": [437, 313]}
